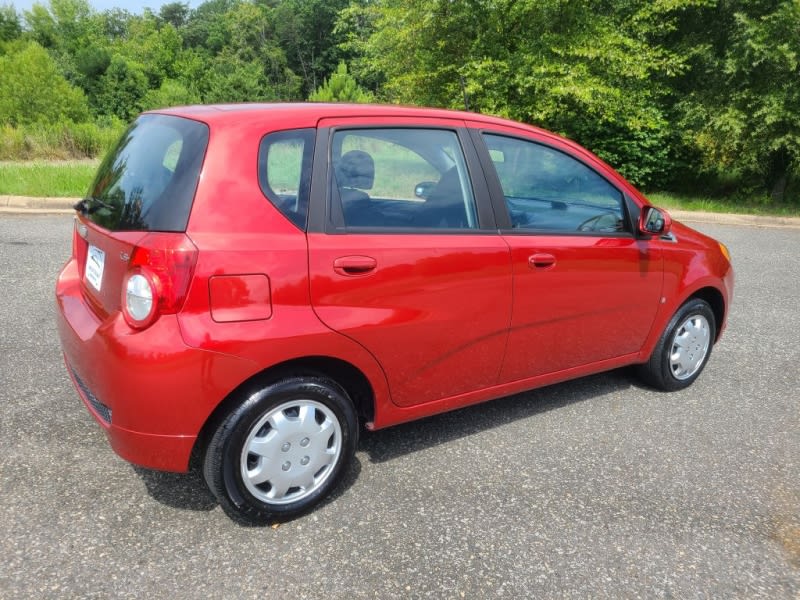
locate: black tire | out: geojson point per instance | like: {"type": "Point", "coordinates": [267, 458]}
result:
{"type": "Point", "coordinates": [293, 442]}
{"type": "Point", "coordinates": [663, 371]}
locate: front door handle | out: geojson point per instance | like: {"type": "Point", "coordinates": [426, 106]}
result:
{"type": "Point", "coordinates": [352, 266]}
{"type": "Point", "coordinates": [541, 260]}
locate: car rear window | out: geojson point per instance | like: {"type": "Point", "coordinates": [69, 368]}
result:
{"type": "Point", "coordinates": [148, 181]}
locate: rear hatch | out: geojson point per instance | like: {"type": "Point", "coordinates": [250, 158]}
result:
{"type": "Point", "coordinates": [142, 194]}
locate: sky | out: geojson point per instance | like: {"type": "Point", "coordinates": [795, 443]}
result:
{"type": "Point", "coordinates": [134, 6]}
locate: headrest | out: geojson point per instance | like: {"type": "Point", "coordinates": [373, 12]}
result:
{"type": "Point", "coordinates": [356, 170]}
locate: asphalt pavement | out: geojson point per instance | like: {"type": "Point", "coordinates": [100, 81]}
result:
{"type": "Point", "coordinates": [596, 488]}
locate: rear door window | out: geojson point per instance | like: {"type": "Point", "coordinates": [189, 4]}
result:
{"type": "Point", "coordinates": [148, 181]}
{"type": "Point", "coordinates": [284, 171]}
{"type": "Point", "coordinates": [402, 179]}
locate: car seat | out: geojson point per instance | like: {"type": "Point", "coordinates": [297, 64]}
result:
{"type": "Point", "coordinates": [355, 173]}
{"type": "Point", "coordinates": [444, 207]}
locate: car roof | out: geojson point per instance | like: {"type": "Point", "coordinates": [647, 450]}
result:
{"type": "Point", "coordinates": [222, 113]}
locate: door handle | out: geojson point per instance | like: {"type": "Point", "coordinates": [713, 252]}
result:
{"type": "Point", "coordinates": [541, 260]}
{"type": "Point", "coordinates": [354, 265]}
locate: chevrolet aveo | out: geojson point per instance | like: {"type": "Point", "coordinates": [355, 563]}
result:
{"type": "Point", "coordinates": [248, 284]}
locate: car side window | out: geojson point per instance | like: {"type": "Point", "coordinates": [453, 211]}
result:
{"type": "Point", "coordinates": [550, 191]}
{"type": "Point", "coordinates": [401, 178]}
{"type": "Point", "coordinates": [284, 171]}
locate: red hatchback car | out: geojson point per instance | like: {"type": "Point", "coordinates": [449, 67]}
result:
{"type": "Point", "coordinates": [249, 282]}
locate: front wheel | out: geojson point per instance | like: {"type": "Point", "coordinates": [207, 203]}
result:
{"type": "Point", "coordinates": [683, 349]}
{"type": "Point", "coordinates": [282, 450]}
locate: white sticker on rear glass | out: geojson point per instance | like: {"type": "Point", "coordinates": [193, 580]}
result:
{"type": "Point", "coordinates": [95, 259]}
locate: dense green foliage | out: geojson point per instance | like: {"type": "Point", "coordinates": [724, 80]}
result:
{"type": "Point", "coordinates": [676, 93]}
{"type": "Point", "coordinates": [340, 87]}
{"type": "Point", "coordinates": [24, 74]}
{"type": "Point", "coordinates": [688, 95]}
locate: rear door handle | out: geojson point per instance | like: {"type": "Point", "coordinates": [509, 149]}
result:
{"type": "Point", "coordinates": [353, 266]}
{"type": "Point", "coordinates": [540, 260]}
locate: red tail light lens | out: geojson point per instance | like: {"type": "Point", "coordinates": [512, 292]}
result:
{"type": "Point", "coordinates": [160, 271]}
{"type": "Point", "coordinates": [79, 245]}
{"type": "Point", "coordinates": [75, 238]}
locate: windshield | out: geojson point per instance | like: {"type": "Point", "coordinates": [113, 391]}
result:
{"type": "Point", "coordinates": [147, 182]}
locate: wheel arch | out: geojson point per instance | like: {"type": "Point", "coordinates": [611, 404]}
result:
{"type": "Point", "coordinates": [708, 292]}
{"type": "Point", "coordinates": [345, 374]}
{"type": "Point", "coordinates": [716, 301]}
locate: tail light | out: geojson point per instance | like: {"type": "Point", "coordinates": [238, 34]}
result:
{"type": "Point", "coordinates": [79, 245]}
{"type": "Point", "coordinates": [159, 274]}
{"type": "Point", "coordinates": [75, 238]}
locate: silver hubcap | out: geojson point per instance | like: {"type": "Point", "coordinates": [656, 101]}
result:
{"type": "Point", "coordinates": [291, 451]}
{"type": "Point", "coordinates": [689, 347]}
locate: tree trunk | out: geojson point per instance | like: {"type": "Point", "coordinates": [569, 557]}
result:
{"type": "Point", "coordinates": [779, 174]}
{"type": "Point", "coordinates": [778, 192]}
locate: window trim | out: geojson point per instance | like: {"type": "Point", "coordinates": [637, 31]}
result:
{"type": "Point", "coordinates": [326, 211]}
{"type": "Point", "coordinates": [498, 197]}
{"type": "Point", "coordinates": [309, 154]}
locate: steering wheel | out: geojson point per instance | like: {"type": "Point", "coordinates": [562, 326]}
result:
{"type": "Point", "coordinates": [601, 222]}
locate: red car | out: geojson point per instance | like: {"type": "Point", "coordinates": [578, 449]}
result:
{"type": "Point", "coordinates": [249, 283]}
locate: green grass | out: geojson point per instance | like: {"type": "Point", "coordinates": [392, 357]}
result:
{"type": "Point", "coordinates": [752, 206]}
{"type": "Point", "coordinates": [68, 179]}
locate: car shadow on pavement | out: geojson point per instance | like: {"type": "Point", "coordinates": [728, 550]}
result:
{"type": "Point", "coordinates": [188, 491]}
{"type": "Point", "coordinates": [387, 444]}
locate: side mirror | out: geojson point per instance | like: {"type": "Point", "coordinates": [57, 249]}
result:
{"type": "Point", "coordinates": [424, 188]}
{"type": "Point", "coordinates": [654, 221]}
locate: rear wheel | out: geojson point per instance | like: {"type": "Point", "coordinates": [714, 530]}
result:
{"type": "Point", "coordinates": [683, 349]}
{"type": "Point", "coordinates": [282, 450]}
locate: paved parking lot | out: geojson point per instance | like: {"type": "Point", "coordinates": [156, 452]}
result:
{"type": "Point", "coordinates": [593, 488]}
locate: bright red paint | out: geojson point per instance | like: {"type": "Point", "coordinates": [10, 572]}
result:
{"type": "Point", "coordinates": [433, 321]}
{"type": "Point", "coordinates": [239, 298]}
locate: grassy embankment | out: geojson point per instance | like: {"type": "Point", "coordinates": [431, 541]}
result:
{"type": "Point", "coordinates": [53, 160]}
{"type": "Point", "coordinates": [753, 206]}
{"type": "Point", "coordinates": [69, 179]}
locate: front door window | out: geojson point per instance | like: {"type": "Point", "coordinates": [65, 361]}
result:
{"type": "Point", "coordinates": [549, 191]}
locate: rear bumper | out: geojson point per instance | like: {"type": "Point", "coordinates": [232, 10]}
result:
{"type": "Point", "coordinates": [162, 452]}
{"type": "Point", "coordinates": [148, 390]}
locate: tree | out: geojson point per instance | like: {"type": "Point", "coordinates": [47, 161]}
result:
{"type": "Point", "coordinates": [154, 46]}
{"type": "Point", "coordinates": [174, 13]}
{"type": "Point", "coordinates": [122, 88]}
{"type": "Point", "coordinates": [92, 62]}
{"type": "Point", "coordinates": [10, 27]}
{"type": "Point", "coordinates": [192, 68]}
{"type": "Point", "coordinates": [32, 90]}
{"type": "Point", "coordinates": [115, 23]}
{"type": "Point", "coordinates": [743, 118]}
{"type": "Point", "coordinates": [206, 27]}
{"type": "Point", "coordinates": [589, 74]}
{"type": "Point", "coordinates": [170, 93]}
{"type": "Point", "coordinates": [234, 80]}
{"type": "Point", "coordinates": [340, 87]}
{"type": "Point", "coordinates": [63, 25]}
{"type": "Point", "coordinates": [307, 35]}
